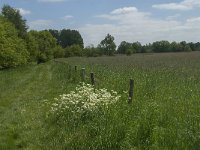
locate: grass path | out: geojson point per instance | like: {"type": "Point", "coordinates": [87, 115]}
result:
{"type": "Point", "coordinates": [22, 91]}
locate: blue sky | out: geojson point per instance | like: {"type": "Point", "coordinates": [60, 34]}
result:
{"type": "Point", "coordinates": [130, 20]}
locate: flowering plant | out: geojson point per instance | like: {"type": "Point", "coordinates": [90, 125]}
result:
{"type": "Point", "coordinates": [84, 99]}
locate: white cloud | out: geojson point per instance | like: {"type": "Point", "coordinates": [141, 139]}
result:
{"type": "Point", "coordinates": [67, 17]}
{"type": "Point", "coordinates": [173, 17]}
{"type": "Point", "coordinates": [130, 24]}
{"type": "Point", "coordinates": [23, 11]}
{"type": "Point", "coordinates": [39, 24]}
{"type": "Point", "coordinates": [183, 5]}
{"type": "Point", "coordinates": [124, 10]}
{"type": "Point", "coordinates": [52, 1]}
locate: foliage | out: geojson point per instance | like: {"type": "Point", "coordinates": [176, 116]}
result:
{"type": "Point", "coordinates": [67, 37]}
{"type": "Point", "coordinates": [82, 102]}
{"type": "Point", "coordinates": [107, 45]}
{"type": "Point", "coordinates": [13, 50]}
{"type": "Point", "coordinates": [161, 46]}
{"type": "Point", "coordinates": [123, 47]}
{"type": "Point", "coordinates": [14, 16]}
{"type": "Point", "coordinates": [129, 52]}
{"type": "Point", "coordinates": [42, 45]}
{"type": "Point", "coordinates": [58, 52]}
{"type": "Point", "coordinates": [73, 50]}
{"type": "Point", "coordinates": [137, 47]}
{"type": "Point", "coordinates": [32, 45]}
{"type": "Point", "coordinates": [92, 51]}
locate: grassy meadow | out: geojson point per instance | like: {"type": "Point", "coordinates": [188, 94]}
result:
{"type": "Point", "coordinates": [165, 113]}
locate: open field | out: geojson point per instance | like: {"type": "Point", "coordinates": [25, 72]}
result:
{"type": "Point", "coordinates": [165, 113]}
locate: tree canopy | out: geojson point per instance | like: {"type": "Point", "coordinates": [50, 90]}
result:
{"type": "Point", "coordinates": [14, 16]}
{"type": "Point", "coordinates": [67, 37]}
{"type": "Point", "coordinates": [13, 50]}
{"type": "Point", "coordinates": [108, 45]}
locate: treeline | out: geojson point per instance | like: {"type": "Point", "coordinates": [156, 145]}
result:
{"type": "Point", "coordinates": [157, 47]}
{"type": "Point", "coordinates": [19, 46]}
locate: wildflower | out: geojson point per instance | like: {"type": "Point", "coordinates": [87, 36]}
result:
{"type": "Point", "coordinates": [83, 99]}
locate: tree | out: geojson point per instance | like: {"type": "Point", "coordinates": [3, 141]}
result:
{"type": "Point", "coordinates": [44, 44]}
{"type": "Point", "coordinates": [32, 45]}
{"type": "Point", "coordinates": [55, 34]}
{"type": "Point", "coordinates": [108, 45]}
{"type": "Point", "coordinates": [137, 47]}
{"type": "Point", "coordinates": [176, 47]}
{"type": "Point", "coordinates": [91, 51]}
{"type": "Point", "coordinates": [161, 46]}
{"type": "Point", "coordinates": [13, 50]}
{"type": "Point", "coordinates": [124, 47]}
{"type": "Point", "coordinates": [58, 52]}
{"type": "Point", "coordinates": [73, 50]}
{"type": "Point", "coordinates": [13, 15]}
{"type": "Point", "coordinates": [69, 38]}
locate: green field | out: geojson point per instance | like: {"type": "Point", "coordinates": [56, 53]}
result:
{"type": "Point", "coordinates": [165, 113]}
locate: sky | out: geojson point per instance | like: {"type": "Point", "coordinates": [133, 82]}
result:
{"type": "Point", "coordinates": [145, 21]}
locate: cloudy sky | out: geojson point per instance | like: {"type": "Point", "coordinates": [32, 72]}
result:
{"type": "Point", "coordinates": [130, 20]}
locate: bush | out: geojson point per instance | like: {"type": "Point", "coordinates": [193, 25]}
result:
{"type": "Point", "coordinates": [84, 101]}
{"type": "Point", "coordinates": [128, 52]}
{"type": "Point", "coordinates": [58, 52]}
{"type": "Point", "coordinates": [13, 50]}
{"type": "Point", "coordinates": [92, 52]}
{"type": "Point", "coordinates": [74, 50]}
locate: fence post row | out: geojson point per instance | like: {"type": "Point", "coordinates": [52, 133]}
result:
{"type": "Point", "coordinates": [130, 98]}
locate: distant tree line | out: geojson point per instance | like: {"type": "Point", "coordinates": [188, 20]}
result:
{"type": "Point", "coordinates": [157, 47]}
{"type": "Point", "coordinates": [19, 46]}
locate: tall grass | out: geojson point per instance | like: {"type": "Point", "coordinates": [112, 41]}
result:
{"type": "Point", "coordinates": [165, 113]}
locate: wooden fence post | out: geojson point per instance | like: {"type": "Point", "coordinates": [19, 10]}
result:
{"type": "Point", "coordinates": [130, 98]}
{"type": "Point", "coordinates": [75, 68]}
{"type": "Point", "coordinates": [83, 74]}
{"type": "Point", "coordinates": [92, 78]}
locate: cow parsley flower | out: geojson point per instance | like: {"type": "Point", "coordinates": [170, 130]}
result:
{"type": "Point", "coordinates": [83, 99]}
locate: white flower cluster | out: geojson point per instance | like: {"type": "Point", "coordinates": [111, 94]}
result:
{"type": "Point", "coordinates": [84, 99]}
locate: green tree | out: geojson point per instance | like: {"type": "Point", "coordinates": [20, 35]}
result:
{"type": "Point", "coordinates": [55, 34]}
{"type": "Point", "coordinates": [69, 38]}
{"type": "Point", "coordinates": [91, 51]}
{"type": "Point", "coordinates": [14, 16]}
{"type": "Point", "coordinates": [43, 47]}
{"type": "Point", "coordinates": [73, 50]}
{"type": "Point", "coordinates": [161, 46]}
{"type": "Point", "coordinates": [32, 45]}
{"type": "Point", "coordinates": [108, 45]}
{"type": "Point", "coordinates": [124, 47]}
{"type": "Point", "coordinates": [58, 52]}
{"type": "Point", "coordinates": [13, 50]}
{"type": "Point", "coordinates": [176, 47]}
{"type": "Point", "coordinates": [137, 47]}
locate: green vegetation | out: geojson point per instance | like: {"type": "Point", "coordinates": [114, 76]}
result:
{"type": "Point", "coordinates": [13, 15]}
{"type": "Point", "coordinates": [108, 45]}
{"type": "Point", "coordinates": [164, 113]}
{"type": "Point", "coordinates": [43, 106]}
{"type": "Point", "coordinates": [13, 50]}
